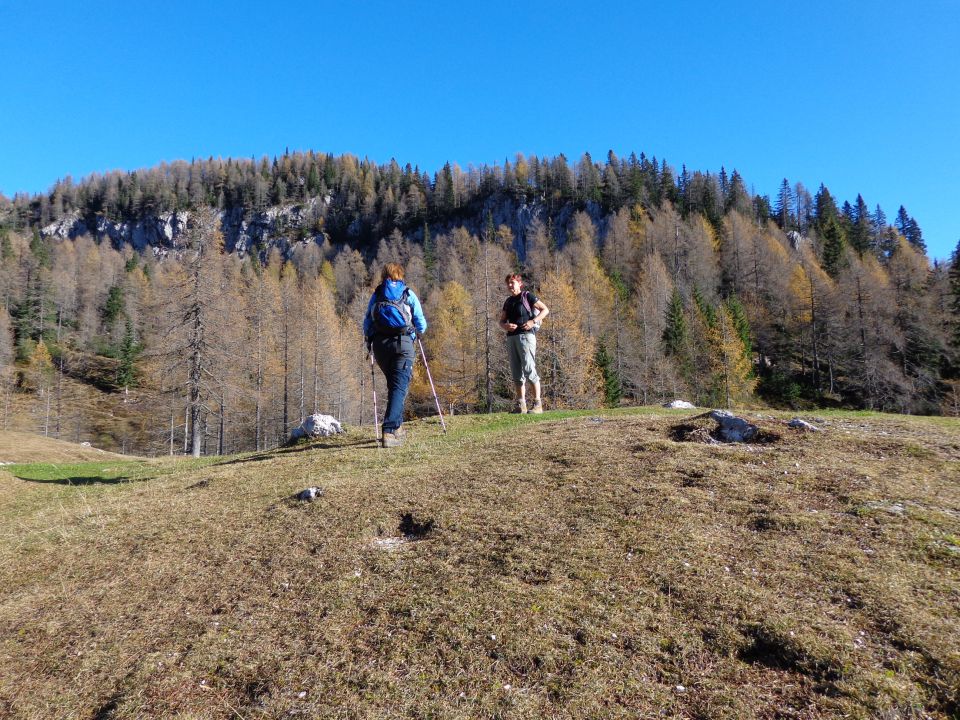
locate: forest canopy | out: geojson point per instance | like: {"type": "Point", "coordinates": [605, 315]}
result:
{"type": "Point", "coordinates": [662, 284]}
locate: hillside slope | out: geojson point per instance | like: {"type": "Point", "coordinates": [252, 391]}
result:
{"type": "Point", "coordinates": [24, 447]}
{"type": "Point", "coordinates": [563, 566]}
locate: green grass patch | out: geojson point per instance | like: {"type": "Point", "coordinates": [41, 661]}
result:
{"type": "Point", "coordinates": [103, 473]}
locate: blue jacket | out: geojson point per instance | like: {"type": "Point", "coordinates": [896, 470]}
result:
{"type": "Point", "coordinates": [392, 290]}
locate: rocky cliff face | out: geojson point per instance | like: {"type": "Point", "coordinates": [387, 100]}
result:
{"type": "Point", "coordinates": [283, 226]}
{"type": "Point", "coordinates": [241, 229]}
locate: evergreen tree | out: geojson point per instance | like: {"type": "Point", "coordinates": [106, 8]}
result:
{"type": "Point", "coordinates": [915, 236]}
{"type": "Point", "coordinates": [955, 291]}
{"type": "Point", "coordinates": [740, 323]}
{"type": "Point", "coordinates": [705, 308]}
{"type": "Point", "coordinates": [861, 232]}
{"type": "Point", "coordinates": [612, 386]}
{"type": "Point", "coordinates": [129, 349]}
{"type": "Point", "coordinates": [903, 221]}
{"type": "Point", "coordinates": [784, 205]}
{"type": "Point", "coordinates": [6, 247]}
{"type": "Point", "coordinates": [833, 246]}
{"type": "Point", "coordinates": [738, 199]}
{"type": "Point", "coordinates": [429, 253]}
{"type": "Point", "coordinates": [40, 249]}
{"type": "Point", "coordinates": [909, 228]}
{"type": "Point", "coordinates": [114, 306]}
{"type": "Point", "coordinates": [761, 209]}
{"type": "Point", "coordinates": [824, 207]}
{"type": "Point", "coordinates": [676, 337]}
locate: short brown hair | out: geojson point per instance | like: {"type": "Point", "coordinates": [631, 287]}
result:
{"type": "Point", "coordinates": [514, 276]}
{"type": "Point", "coordinates": [392, 271]}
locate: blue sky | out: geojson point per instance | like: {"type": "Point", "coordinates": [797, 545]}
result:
{"type": "Point", "coordinates": [864, 98]}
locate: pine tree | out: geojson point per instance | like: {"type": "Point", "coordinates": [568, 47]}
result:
{"type": "Point", "coordinates": [114, 307]}
{"type": "Point", "coordinates": [833, 247]}
{"type": "Point", "coordinates": [129, 349]}
{"type": "Point", "coordinates": [824, 207]}
{"type": "Point", "coordinates": [675, 332]}
{"type": "Point", "coordinates": [612, 386]}
{"type": "Point", "coordinates": [741, 325]}
{"type": "Point", "coordinates": [861, 230]}
{"type": "Point", "coordinates": [676, 339]}
{"type": "Point", "coordinates": [784, 205]}
{"type": "Point", "coordinates": [955, 291]}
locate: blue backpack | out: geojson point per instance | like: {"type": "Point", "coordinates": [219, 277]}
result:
{"type": "Point", "coordinates": [392, 317]}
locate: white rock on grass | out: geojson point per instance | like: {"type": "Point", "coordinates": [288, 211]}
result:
{"type": "Point", "coordinates": [732, 428]}
{"type": "Point", "coordinates": [317, 426]}
{"type": "Point", "coordinates": [310, 494]}
{"type": "Point", "coordinates": [679, 405]}
{"type": "Point", "coordinates": [803, 425]}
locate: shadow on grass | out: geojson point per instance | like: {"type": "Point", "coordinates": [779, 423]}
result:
{"type": "Point", "coordinates": [296, 449]}
{"type": "Point", "coordinates": [80, 480]}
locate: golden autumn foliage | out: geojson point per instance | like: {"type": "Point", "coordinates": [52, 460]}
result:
{"type": "Point", "coordinates": [565, 352]}
{"type": "Point", "coordinates": [731, 368]}
{"type": "Point", "coordinates": [452, 344]}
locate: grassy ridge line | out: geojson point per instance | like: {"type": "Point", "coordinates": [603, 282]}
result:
{"type": "Point", "coordinates": [588, 566]}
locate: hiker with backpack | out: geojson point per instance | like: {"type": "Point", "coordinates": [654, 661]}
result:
{"type": "Point", "coordinates": [394, 318]}
{"type": "Point", "coordinates": [520, 318]}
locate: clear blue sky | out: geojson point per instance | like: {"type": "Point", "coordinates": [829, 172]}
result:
{"type": "Point", "coordinates": [862, 97]}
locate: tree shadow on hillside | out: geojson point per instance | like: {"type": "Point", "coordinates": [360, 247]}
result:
{"type": "Point", "coordinates": [296, 449]}
{"type": "Point", "coordinates": [80, 480]}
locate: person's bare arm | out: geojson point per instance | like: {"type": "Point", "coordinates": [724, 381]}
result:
{"type": "Point", "coordinates": [544, 311]}
{"type": "Point", "coordinates": [508, 326]}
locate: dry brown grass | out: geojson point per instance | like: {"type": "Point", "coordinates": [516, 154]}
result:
{"type": "Point", "coordinates": [24, 447]}
{"type": "Point", "coordinates": [574, 567]}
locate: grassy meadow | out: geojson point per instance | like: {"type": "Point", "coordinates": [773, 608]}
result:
{"type": "Point", "coordinates": [571, 565]}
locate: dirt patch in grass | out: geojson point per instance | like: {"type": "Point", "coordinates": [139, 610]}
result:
{"type": "Point", "coordinates": [704, 430]}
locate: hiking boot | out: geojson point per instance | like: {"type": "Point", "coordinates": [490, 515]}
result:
{"type": "Point", "coordinates": [537, 408]}
{"type": "Point", "coordinates": [401, 432]}
{"type": "Point", "coordinates": [520, 407]}
{"type": "Point", "coordinates": [391, 440]}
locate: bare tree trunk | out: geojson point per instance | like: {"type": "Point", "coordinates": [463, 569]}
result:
{"type": "Point", "coordinates": [259, 382]}
{"type": "Point", "coordinates": [222, 429]}
{"type": "Point", "coordinates": [363, 374]}
{"type": "Point", "coordinates": [286, 372]}
{"type": "Point", "coordinates": [316, 357]}
{"type": "Point", "coordinates": [340, 373]}
{"type": "Point", "coordinates": [676, 254]}
{"type": "Point", "coordinates": [486, 320]}
{"type": "Point", "coordinates": [863, 343]}
{"type": "Point", "coordinates": [813, 338]}
{"type": "Point", "coordinates": [303, 372]}
{"type": "Point", "coordinates": [59, 393]}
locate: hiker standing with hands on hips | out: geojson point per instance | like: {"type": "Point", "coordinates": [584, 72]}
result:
{"type": "Point", "coordinates": [520, 317]}
{"type": "Point", "coordinates": [394, 318]}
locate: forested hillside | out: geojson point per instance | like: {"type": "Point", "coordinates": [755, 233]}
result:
{"type": "Point", "coordinates": [215, 303]}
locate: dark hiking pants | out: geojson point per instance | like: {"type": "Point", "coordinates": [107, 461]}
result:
{"type": "Point", "coordinates": [395, 357]}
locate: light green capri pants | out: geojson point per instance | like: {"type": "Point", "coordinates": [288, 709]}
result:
{"type": "Point", "coordinates": [522, 349]}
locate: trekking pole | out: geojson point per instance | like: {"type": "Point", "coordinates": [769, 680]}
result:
{"type": "Point", "coordinates": [435, 398]}
{"type": "Point", "coordinates": [376, 414]}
